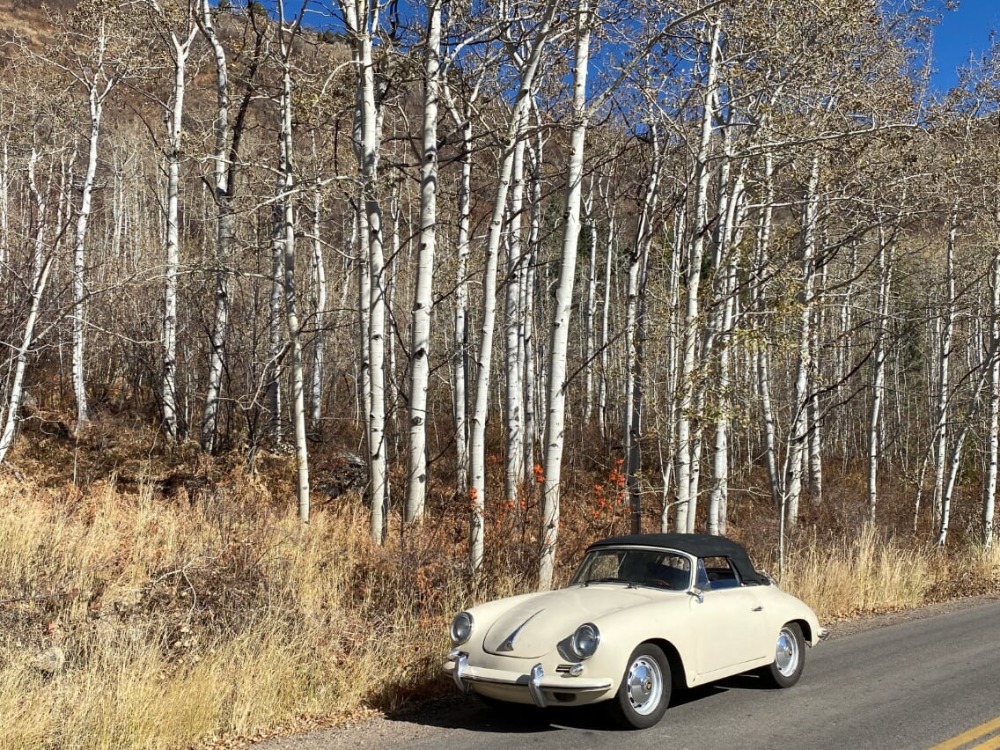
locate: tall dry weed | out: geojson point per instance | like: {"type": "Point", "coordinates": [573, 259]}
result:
{"type": "Point", "coordinates": [179, 623]}
{"type": "Point", "coordinates": [865, 573]}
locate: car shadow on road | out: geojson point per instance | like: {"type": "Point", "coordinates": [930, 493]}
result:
{"type": "Point", "coordinates": [468, 713]}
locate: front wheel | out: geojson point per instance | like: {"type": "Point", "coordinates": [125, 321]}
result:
{"type": "Point", "coordinates": [789, 657]}
{"type": "Point", "coordinates": [644, 693]}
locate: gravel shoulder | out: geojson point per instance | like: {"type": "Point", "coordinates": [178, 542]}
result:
{"type": "Point", "coordinates": [419, 723]}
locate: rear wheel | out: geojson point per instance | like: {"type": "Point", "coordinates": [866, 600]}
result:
{"type": "Point", "coordinates": [789, 657]}
{"type": "Point", "coordinates": [644, 693]}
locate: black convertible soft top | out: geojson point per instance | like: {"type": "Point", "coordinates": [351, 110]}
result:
{"type": "Point", "coordinates": [699, 545]}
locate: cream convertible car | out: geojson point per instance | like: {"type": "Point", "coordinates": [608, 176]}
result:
{"type": "Point", "coordinates": [642, 615]}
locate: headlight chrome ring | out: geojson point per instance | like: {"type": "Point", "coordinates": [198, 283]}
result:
{"type": "Point", "coordinates": [461, 628]}
{"type": "Point", "coordinates": [585, 640]}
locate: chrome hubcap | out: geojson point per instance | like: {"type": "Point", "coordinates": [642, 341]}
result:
{"type": "Point", "coordinates": [645, 685]}
{"type": "Point", "coordinates": [786, 655]}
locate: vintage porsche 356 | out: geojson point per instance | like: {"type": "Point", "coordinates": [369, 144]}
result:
{"type": "Point", "coordinates": [642, 615]}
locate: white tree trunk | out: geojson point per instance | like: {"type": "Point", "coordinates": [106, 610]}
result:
{"type": "Point", "coordinates": [944, 385]}
{"type": "Point", "coordinates": [763, 360]}
{"type": "Point", "coordinates": [362, 26]}
{"type": "Point", "coordinates": [423, 296]}
{"type": "Point", "coordinates": [460, 338]}
{"type": "Point", "coordinates": [878, 380]}
{"type": "Point", "coordinates": [558, 350]}
{"type": "Point", "coordinates": [634, 331]}
{"type": "Point", "coordinates": [98, 88]}
{"type": "Point", "coordinates": [529, 374]}
{"type": "Point", "coordinates": [589, 308]}
{"type": "Point", "coordinates": [275, 323]}
{"type": "Point", "coordinates": [727, 237]}
{"type": "Point", "coordinates": [319, 304]}
{"type": "Point", "coordinates": [224, 231]}
{"type": "Point", "coordinates": [376, 339]}
{"type": "Point", "coordinates": [4, 205]}
{"type": "Point", "coordinates": [460, 358]}
{"type": "Point", "coordinates": [477, 442]}
{"type": "Point", "coordinates": [40, 274]}
{"type": "Point", "coordinates": [688, 446]}
{"type": "Point", "coordinates": [602, 388]}
{"type": "Point", "coordinates": [993, 437]}
{"type": "Point", "coordinates": [677, 252]}
{"type": "Point", "coordinates": [175, 130]}
{"type": "Point", "coordinates": [798, 436]}
{"type": "Point", "coordinates": [286, 170]}
{"type": "Point", "coordinates": [514, 474]}
{"type": "Point", "coordinates": [956, 455]}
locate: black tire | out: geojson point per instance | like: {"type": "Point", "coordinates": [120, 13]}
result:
{"type": "Point", "coordinates": [644, 693]}
{"type": "Point", "coordinates": [789, 659]}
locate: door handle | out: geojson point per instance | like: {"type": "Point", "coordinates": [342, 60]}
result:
{"type": "Point", "coordinates": [758, 608]}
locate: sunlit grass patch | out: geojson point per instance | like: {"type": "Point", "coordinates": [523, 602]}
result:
{"type": "Point", "coordinates": [868, 572]}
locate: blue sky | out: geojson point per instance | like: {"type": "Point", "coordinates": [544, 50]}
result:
{"type": "Point", "coordinates": [963, 31]}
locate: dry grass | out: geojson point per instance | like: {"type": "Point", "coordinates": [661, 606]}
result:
{"type": "Point", "coordinates": [866, 573]}
{"type": "Point", "coordinates": [184, 621]}
{"type": "Point", "coordinates": [179, 624]}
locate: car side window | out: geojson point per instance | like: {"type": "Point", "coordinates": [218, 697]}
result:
{"type": "Point", "coordinates": [721, 573]}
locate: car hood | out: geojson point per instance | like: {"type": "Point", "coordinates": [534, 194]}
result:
{"type": "Point", "coordinates": [532, 627]}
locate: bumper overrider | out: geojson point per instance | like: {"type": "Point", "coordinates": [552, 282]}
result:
{"type": "Point", "coordinates": [542, 690]}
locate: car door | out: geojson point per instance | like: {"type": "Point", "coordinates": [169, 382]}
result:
{"type": "Point", "coordinates": [729, 626]}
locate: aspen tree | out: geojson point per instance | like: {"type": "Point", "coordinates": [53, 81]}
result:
{"type": "Point", "coordinates": [423, 296]}
{"type": "Point", "coordinates": [98, 76]}
{"type": "Point", "coordinates": [885, 251]}
{"type": "Point", "coordinates": [799, 430]}
{"type": "Point", "coordinates": [362, 21]}
{"type": "Point", "coordinates": [557, 370]}
{"type": "Point", "coordinates": [589, 309]}
{"type": "Point", "coordinates": [993, 436]}
{"type": "Point", "coordinates": [688, 443]}
{"type": "Point", "coordinates": [460, 340]}
{"type": "Point", "coordinates": [228, 136]}
{"type": "Point", "coordinates": [528, 69]}
{"type": "Point", "coordinates": [180, 49]}
{"type": "Point", "coordinates": [285, 200]}
{"type": "Point", "coordinates": [634, 327]}
{"type": "Point", "coordinates": [944, 370]}
{"type": "Point", "coordinates": [530, 376]}
{"type": "Point", "coordinates": [727, 237]}
{"type": "Point", "coordinates": [40, 268]}
{"type": "Point", "coordinates": [514, 314]}
{"type": "Point", "coordinates": [609, 251]}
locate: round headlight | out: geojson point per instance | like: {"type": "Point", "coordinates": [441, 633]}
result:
{"type": "Point", "coordinates": [461, 628]}
{"type": "Point", "coordinates": [585, 640]}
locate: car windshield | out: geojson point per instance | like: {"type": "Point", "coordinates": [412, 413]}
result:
{"type": "Point", "coordinates": [638, 567]}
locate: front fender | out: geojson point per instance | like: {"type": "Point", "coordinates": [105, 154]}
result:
{"type": "Point", "coordinates": [664, 623]}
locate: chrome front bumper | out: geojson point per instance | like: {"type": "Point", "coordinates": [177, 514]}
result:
{"type": "Point", "coordinates": [535, 681]}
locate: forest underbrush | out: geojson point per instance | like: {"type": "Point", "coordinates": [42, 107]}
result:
{"type": "Point", "coordinates": [147, 612]}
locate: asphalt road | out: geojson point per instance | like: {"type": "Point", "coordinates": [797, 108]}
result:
{"type": "Point", "coordinates": [915, 684]}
